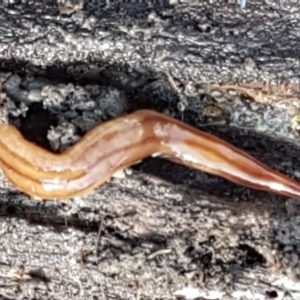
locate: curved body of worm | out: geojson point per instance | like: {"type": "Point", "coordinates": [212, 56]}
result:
{"type": "Point", "coordinates": [121, 142]}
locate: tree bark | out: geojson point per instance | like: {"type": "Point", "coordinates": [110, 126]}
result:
{"type": "Point", "coordinates": [161, 231]}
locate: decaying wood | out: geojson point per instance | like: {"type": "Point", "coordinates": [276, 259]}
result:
{"type": "Point", "coordinates": [162, 231]}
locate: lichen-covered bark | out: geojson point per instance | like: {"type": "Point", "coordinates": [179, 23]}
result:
{"type": "Point", "coordinates": [162, 230]}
